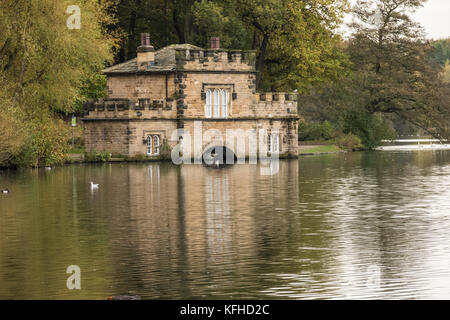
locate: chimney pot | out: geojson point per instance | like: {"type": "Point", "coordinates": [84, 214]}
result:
{"type": "Point", "coordinates": [145, 39]}
{"type": "Point", "coordinates": [215, 43]}
{"type": "Point", "coordinates": [145, 53]}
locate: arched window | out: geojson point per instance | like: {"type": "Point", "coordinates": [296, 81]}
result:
{"type": "Point", "coordinates": [156, 145]}
{"type": "Point", "coordinates": [273, 142]}
{"type": "Point", "coordinates": [149, 145]}
{"type": "Point", "coordinates": [216, 104]}
{"type": "Point", "coordinates": [153, 144]}
{"type": "Point", "coordinates": [208, 104]}
{"type": "Point", "coordinates": [224, 103]}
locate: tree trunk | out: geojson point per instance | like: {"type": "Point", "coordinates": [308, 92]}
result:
{"type": "Point", "coordinates": [256, 41]}
{"type": "Point", "coordinates": [261, 59]}
{"type": "Point", "coordinates": [131, 35]}
{"type": "Point", "coordinates": [176, 24]}
{"type": "Point", "coordinates": [188, 22]}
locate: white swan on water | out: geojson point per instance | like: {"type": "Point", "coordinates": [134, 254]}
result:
{"type": "Point", "coordinates": [94, 185]}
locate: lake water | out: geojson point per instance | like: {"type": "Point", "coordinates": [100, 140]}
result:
{"type": "Point", "coordinates": [359, 225]}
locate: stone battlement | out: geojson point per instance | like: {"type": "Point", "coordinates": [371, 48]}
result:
{"type": "Point", "coordinates": [266, 105]}
{"type": "Point", "coordinates": [216, 60]}
{"type": "Point", "coordinates": [277, 96]}
{"type": "Point", "coordinates": [126, 108]}
{"type": "Point", "coordinates": [275, 104]}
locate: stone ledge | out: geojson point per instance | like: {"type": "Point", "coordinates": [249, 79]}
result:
{"type": "Point", "coordinates": [293, 117]}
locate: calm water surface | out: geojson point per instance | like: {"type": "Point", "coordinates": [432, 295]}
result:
{"type": "Point", "coordinates": [363, 225]}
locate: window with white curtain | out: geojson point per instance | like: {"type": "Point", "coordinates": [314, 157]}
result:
{"type": "Point", "coordinates": [216, 110]}
{"type": "Point", "coordinates": [156, 145]}
{"type": "Point", "coordinates": [217, 103]}
{"type": "Point", "coordinates": [224, 103]}
{"type": "Point", "coordinates": [273, 142]}
{"type": "Point", "coordinates": [208, 104]}
{"type": "Point", "coordinates": [149, 145]}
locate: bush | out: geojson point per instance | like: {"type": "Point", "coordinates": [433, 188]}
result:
{"type": "Point", "coordinates": [49, 141]}
{"type": "Point", "coordinates": [138, 158]}
{"type": "Point", "coordinates": [371, 128]}
{"type": "Point", "coordinates": [314, 131]}
{"type": "Point", "coordinates": [97, 156]}
{"type": "Point", "coordinates": [165, 151]}
{"type": "Point", "coordinates": [349, 142]}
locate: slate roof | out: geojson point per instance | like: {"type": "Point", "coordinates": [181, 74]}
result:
{"type": "Point", "coordinates": [164, 61]}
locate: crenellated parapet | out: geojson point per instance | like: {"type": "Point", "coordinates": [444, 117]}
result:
{"type": "Point", "coordinates": [276, 104]}
{"type": "Point", "coordinates": [128, 108]}
{"type": "Point", "coordinates": [215, 60]}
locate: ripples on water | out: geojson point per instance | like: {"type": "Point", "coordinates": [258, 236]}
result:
{"type": "Point", "coordinates": [363, 225]}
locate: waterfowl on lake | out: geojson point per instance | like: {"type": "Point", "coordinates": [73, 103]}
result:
{"type": "Point", "coordinates": [94, 185]}
{"type": "Point", "coordinates": [5, 191]}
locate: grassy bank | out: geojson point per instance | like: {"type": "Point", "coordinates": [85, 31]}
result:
{"type": "Point", "coordinates": [318, 149]}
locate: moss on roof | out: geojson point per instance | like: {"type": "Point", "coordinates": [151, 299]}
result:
{"type": "Point", "coordinates": [164, 60]}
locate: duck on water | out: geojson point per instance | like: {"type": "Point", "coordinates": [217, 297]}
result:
{"type": "Point", "coordinates": [5, 191]}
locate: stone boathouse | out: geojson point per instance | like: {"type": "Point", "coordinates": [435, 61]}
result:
{"type": "Point", "coordinates": [183, 86]}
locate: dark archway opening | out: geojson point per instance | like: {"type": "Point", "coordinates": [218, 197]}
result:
{"type": "Point", "coordinates": [219, 156]}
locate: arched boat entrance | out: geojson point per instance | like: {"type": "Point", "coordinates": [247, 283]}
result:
{"type": "Point", "coordinates": [218, 156]}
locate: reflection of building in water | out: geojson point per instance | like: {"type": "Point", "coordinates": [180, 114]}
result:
{"type": "Point", "coordinates": [153, 172]}
{"type": "Point", "coordinates": [190, 222]}
{"type": "Point", "coordinates": [217, 200]}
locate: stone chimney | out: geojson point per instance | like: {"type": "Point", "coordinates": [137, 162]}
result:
{"type": "Point", "coordinates": [215, 43]}
{"type": "Point", "coordinates": [145, 53]}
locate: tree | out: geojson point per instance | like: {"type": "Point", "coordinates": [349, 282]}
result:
{"type": "Point", "coordinates": [296, 41]}
{"type": "Point", "coordinates": [441, 52]}
{"type": "Point", "coordinates": [220, 19]}
{"type": "Point", "coordinates": [45, 66]}
{"type": "Point", "coordinates": [392, 70]}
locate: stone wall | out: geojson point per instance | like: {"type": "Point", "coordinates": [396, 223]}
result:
{"type": "Point", "coordinates": [107, 136]}
{"type": "Point", "coordinates": [128, 137]}
{"type": "Point", "coordinates": [141, 86]}
{"type": "Point", "coordinates": [141, 129]}
{"type": "Point", "coordinates": [187, 97]}
{"type": "Point", "coordinates": [240, 85]}
{"type": "Point", "coordinates": [286, 128]}
{"type": "Point", "coordinates": [125, 137]}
